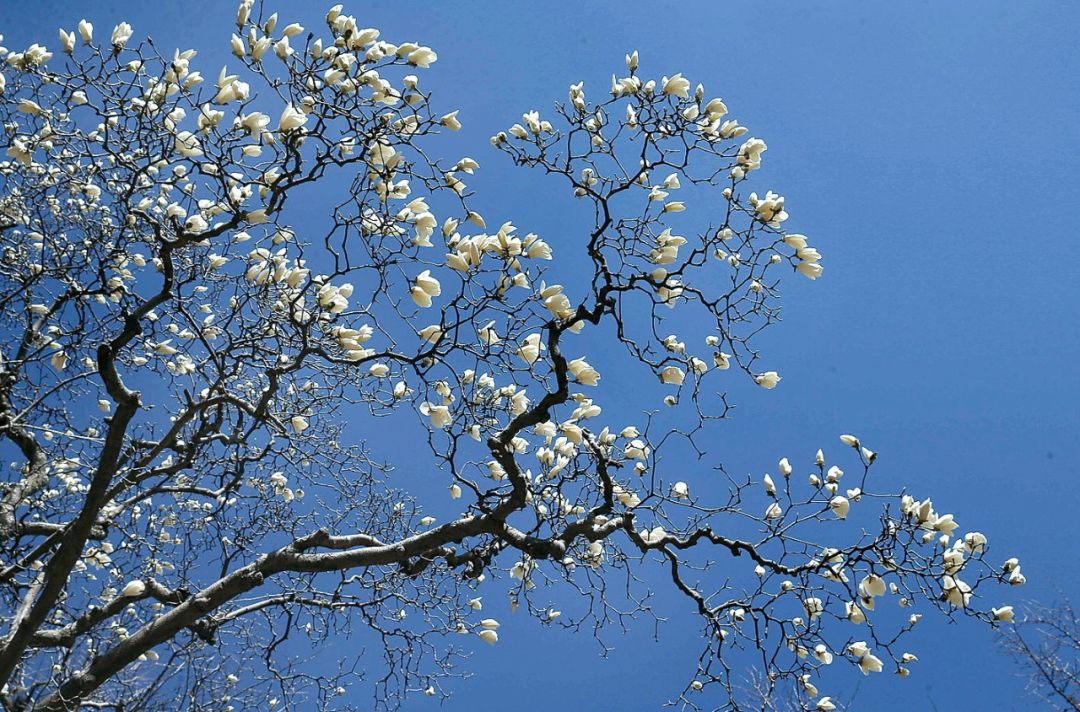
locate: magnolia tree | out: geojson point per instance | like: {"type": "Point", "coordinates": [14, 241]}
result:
{"type": "Point", "coordinates": [1045, 642]}
{"type": "Point", "coordinates": [191, 509]}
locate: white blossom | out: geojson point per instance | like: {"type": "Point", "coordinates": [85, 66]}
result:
{"type": "Point", "coordinates": [121, 34]}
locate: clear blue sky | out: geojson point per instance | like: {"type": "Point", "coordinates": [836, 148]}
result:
{"type": "Point", "coordinates": [930, 150]}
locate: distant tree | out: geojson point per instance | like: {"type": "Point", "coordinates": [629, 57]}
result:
{"type": "Point", "coordinates": [1045, 641]}
{"type": "Point", "coordinates": [200, 509]}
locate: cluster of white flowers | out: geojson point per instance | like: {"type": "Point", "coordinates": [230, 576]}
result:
{"type": "Point", "coordinates": [890, 578]}
{"type": "Point", "coordinates": [279, 484]}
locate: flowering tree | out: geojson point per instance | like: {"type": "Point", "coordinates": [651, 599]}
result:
{"type": "Point", "coordinates": [187, 377]}
{"type": "Point", "coordinates": [1045, 642]}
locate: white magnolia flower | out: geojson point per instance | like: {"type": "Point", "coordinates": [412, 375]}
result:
{"type": "Point", "coordinates": [810, 270]}
{"type": "Point", "coordinates": [451, 122]}
{"type": "Point", "coordinates": [869, 663]}
{"type": "Point", "coordinates": [654, 535]}
{"type": "Point", "coordinates": [672, 375]}
{"type": "Point", "coordinates": [532, 121]}
{"type": "Point", "coordinates": [121, 34]}
{"type": "Point", "coordinates": [421, 298]}
{"type": "Point", "coordinates": [530, 349]}
{"type": "Point", "coordinates": [29, 106]}
{"type": "Point", "coordinates": [254, 123]}
{"type": "Point", "coordinates": [637, 450]}
{"type": "Point", "coordinates": [583, 373]}
{"type": "Point", "coordinates": [299, 423]}
{"type": "Point", "coordinates": [133, 589]}
{"type": "Point", "coordinates": [59, 360]}
{"type": "Point", "coordinates": [19, 149]}
{"type": "Point", "coordinates": [749, 157]}
{"type": "Point", "coordinates": [677, 85]}
{"type": "Point", "coordinates": [956, 592]}
{"type": "Point", "coordinates": [489, 636]}
{"type": "Point", "coordinates": [422, 57]}
{"type": "Point", "coordinates": [821, 652]}
{"type": "Point", "coordinates": [768, 380]}
{"type": "Point", "coordinates": [785, 467]}
{"type": "Point", "coordinates": [196, 224]}
{"type": "Point", "coordinates": [770, 486]}
{"type": "Point", "coordinates": [431, 334]}
{"type": "Point", "coordinates": [975, 542]}
{"type": "Point", "coordinates": [187, 144]}
{"type": "Point", "coordinates": [424, 288]}
{"type": "Point", "coordinates": [859, 648]}
{"type": "Point", "coordinates": [872, 585]}
{"type": "Point", "coordinates": [439, 414]}
{"type": "Point", "coordinates": [291, 119]}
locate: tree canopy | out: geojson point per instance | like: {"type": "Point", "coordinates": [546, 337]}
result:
{"type": "Point", "coordinates": [193, 387]}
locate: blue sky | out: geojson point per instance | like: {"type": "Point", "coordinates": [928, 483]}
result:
{"type": "Point", "coordinates": [929, 149]}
